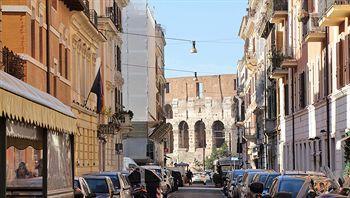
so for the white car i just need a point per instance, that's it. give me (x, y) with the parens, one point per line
(200, 178)
(165, 184)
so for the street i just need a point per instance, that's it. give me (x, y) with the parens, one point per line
(198, 191)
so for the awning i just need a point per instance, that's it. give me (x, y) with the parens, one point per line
(160, 131)
(21, 101)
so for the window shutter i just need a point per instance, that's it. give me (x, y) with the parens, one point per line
(60, 59)
(67, 62)
(346, 59)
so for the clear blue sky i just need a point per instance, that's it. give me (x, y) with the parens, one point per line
(201, 20)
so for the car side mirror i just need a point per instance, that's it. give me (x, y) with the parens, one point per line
(284, 195)
(256, 187)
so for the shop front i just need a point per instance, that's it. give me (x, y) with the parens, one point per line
(36, 142)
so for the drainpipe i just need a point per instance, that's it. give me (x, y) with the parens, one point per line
(293, 121)
(48, 84)
(327, 101)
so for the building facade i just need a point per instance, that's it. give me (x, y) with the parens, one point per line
(306, 63)
(202, 114)
(142, 70)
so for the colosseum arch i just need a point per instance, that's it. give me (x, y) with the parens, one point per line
(168, 111)
(218, 134)
(183, 135)
(200, 136)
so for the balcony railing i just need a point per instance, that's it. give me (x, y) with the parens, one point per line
(93, 17)
(110, 13)
(87, 8)
(325, 5)
(278, 10)
(279, 5)
(311, 26)
(12, 63)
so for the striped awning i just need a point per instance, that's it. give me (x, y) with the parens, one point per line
(160, 131)
(22, 102)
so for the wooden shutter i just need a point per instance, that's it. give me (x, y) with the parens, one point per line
(33, 38)
(66, 62)
(60, 59)
(346, 60)
(344, 51)
(302, 90)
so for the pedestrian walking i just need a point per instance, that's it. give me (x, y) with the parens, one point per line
(189, 176)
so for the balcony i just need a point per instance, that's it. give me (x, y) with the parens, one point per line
(12, 63)
(312, 32)
(276, 71)
(279, 11)
(333, 12)
(90, 13)
(77, 5)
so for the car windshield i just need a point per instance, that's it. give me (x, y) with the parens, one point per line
(269, 181)
(291, 185)
(97, 185)
(115, 180)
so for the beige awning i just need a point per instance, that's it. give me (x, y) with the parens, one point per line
(160, 131)
(22, 102)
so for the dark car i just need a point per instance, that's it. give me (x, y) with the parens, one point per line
(119, 182)
(81, 188)
(177, 178)
(232, 181)
(242, 187)
(266, 178)
(151, 180)
(102, 186)
(138, 191)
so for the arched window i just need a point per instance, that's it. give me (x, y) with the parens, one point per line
(183, 135)
(200, 137)
(168, 111)
(218, 134)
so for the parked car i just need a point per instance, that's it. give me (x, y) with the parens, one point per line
(150, 179)
(177, 178)
(199, 178)
(265, 178)
(169, 179)
(138, 190)
(242, 187)
(119, 182)
(299, 186)
(102, 186)
(81, 188)
(234, 178)
(164, 184)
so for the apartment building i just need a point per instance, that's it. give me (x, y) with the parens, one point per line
(307, 62)
(257, 91)
(143, 73)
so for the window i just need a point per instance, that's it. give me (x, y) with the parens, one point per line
(41, 46)
(60, 58)
(286, 99)
(119, 61)
(66, 56)
(33, 38)
(340, 64)
(167, 87)
(234, 84)
(199, 90)
(302, 90)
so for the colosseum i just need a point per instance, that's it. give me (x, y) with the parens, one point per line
(201, 111)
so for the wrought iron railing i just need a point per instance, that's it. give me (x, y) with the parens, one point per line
(87, 8)
(325, 5)
(110, 13)
(93, 17)
(311, 25)
(12, 63)
(280, 5)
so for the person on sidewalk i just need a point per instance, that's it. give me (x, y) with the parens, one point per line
(189, 176)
